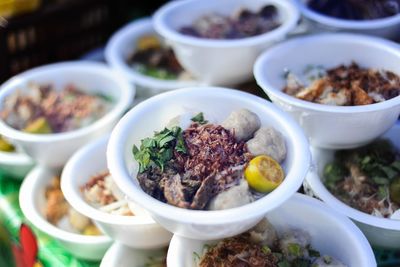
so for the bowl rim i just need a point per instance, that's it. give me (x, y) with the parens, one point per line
(350, 38)
(171, 34)
(35, 179)
(346, 23)
(114, 57)
(116, 162)
(74, 196)
(16, 158)
(13, 84)
(319, 189)
(319, 207)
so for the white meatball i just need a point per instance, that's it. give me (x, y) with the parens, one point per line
(268, 141)
(235, 196)
(243, 122)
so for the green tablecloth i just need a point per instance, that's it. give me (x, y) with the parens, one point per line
(50, 253)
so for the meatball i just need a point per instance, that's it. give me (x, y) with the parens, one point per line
(268, 141)
(235, 196)
(292, 239)
(243, 123)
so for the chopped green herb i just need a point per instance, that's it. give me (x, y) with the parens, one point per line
(313, 253)
(284, 263)
(295, 250)
(158, 150)
(199, 118)
(266, 250)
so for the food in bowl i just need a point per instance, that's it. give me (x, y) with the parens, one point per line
(262, 246)
(152, 58)
(344, 85)
(44, 110)
(356, 9)
(243, 23)
(6, 146)
(367, 178)
(58, 212)
(102, 193)
(211, 166)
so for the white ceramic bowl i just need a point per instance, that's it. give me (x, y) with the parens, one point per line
(331, 233)
(219, 62)
(134, 231)
(331, 126)
(53, 150)
(15, 164)
(32, 200)
(380, 232)
(386, 27)
(122, 44)
(216, 103)
(119, 255)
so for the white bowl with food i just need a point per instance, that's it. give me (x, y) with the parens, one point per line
(142, 57)
(51, 111)
(347, 117)
(241, 134)
(216, 61)
(119, 255)
(374, 207)
(302, 229)
(43, 205)
(359, 17)
(90, 189)
(13, 162)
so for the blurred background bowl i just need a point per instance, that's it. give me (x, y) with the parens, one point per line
(331, 234)
(53, 150)
(216, 103)
(381, 232)
(329, 126)
(32, 201)
(388, 27)
(139, 231)
(123, 44)
(219, 62)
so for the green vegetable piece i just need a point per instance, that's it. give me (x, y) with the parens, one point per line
(284, 263)
(6, 146)
(333, 173)
(313, 253)
(396, 165)
(389, 171)
(266, 249)
(105, 97)
(380, 180)
(394, 190)
(159, 149)
(38, 126)
(199, 118)
(383, 192)
(295, 249)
